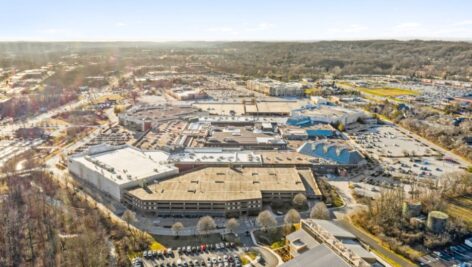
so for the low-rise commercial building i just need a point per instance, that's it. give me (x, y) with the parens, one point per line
(220, 191)
(312, 132)
(336, 152)
(275, 88)
(142, 118)
(245, 138)
(186, 93)
(339, 247)
(112, 169)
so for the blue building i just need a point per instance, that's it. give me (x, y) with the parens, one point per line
(321, 130)
(300, 121)
(339, 153)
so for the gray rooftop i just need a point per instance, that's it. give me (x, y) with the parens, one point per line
(333, 228)
(319, 256)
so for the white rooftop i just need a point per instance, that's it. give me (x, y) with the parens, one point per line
(216, 155)
(124, 164)
(240, 119)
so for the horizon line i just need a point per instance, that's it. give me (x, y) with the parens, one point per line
(237, 40)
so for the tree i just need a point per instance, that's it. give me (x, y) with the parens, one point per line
(266, 220)
(177, 227)
(319, 211)
(292, 217)
(299, 199)
(205, 225)
(129, 217)
(232, 225)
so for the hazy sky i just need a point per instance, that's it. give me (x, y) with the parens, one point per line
(171, 20)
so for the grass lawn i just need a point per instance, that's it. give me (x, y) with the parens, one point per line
(274, 236)
(387, 91)
(386, 259)
(244, 257)
(345, 85)
(461, 208)
(156, 246)
(172, 241)
(277, 244)
(112, 97)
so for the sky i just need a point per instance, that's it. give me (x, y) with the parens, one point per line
(234, 20)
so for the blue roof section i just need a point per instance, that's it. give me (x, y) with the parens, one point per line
(319, 132)
(331, 151)
(299, 121)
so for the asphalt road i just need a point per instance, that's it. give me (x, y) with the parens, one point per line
(373, 243)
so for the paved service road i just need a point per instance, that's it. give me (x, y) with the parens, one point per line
(373, 243)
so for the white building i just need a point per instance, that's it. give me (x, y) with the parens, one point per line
(112, 169)
(331, 114)
(275, 88)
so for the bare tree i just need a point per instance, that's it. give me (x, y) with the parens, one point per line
(205, 225)
(292, 217)
(129, 217)
(319, 211)
(177, 227)
(232, 225)
(266, 220)
(299, 199)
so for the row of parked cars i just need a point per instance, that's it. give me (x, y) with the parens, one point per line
(216, 261)
(188, 250)
(162, 254)
(457, 253)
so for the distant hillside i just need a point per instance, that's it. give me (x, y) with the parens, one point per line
(289, 60)
(283, 60)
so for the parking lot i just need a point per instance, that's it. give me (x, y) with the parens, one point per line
(390, 141)
(456, 255)
(402, 153)
(224, 254)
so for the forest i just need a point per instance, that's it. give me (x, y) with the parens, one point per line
(280, 60)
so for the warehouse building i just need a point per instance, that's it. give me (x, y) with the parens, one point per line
(219, 191)
(112, 169)
(275, 88)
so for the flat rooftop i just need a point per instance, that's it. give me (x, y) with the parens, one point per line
(333, 228)
(319, 256)
(222, 184)
(242, 136)
(216, 155)
(241, 119)
(332, 111)
(276, 107)
(124, 164)
(159, 112)
(285, 157)
(222, 108)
